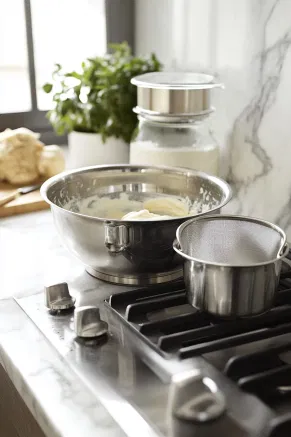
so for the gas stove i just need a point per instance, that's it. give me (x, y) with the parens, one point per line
(166, 369)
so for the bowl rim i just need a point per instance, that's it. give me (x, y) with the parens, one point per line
(180, 170)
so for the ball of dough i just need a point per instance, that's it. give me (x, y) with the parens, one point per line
(51, 161)
(19, 155)
(20, 135)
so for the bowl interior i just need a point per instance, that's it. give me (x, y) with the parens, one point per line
(205, 193)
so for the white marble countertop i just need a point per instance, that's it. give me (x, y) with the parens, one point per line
(32, 254)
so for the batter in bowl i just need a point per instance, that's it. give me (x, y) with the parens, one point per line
(123, 208)
(160, 208)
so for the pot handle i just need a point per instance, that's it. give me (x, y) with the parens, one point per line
(284, 249)
(177, 247)
(116, 237)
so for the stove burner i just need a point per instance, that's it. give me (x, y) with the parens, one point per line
(162, 318)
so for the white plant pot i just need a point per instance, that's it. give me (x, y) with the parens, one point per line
(87, 149)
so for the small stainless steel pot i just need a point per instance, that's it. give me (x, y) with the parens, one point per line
(128, 252)
(224, 289)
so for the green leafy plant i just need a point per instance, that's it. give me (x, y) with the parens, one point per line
(99, 98)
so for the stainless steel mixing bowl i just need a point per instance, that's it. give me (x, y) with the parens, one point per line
(128, 252)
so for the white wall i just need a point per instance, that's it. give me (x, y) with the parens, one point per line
(153, 27)
(247, 44)
(202, 35)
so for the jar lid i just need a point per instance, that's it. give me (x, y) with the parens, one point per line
(175, 94)
(175, 81)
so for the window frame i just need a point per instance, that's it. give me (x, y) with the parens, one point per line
(119, 15)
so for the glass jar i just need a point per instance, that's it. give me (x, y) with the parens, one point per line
(188, 144)
(173, 109)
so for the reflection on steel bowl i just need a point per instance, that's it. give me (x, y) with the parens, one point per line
(137, 252)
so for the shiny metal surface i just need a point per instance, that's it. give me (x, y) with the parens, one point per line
(57, 297)
(119, 373)
(116, 237)
(284, 389)
(128, 252)
(196, 397)
(285, 357)
(174, 94)
(232, 290)
(87, 322)
(150, 279)
(177, 120)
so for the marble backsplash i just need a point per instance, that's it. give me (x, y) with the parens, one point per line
(248, 45)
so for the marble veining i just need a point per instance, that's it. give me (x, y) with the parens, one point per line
(250, 160)
(247, 44)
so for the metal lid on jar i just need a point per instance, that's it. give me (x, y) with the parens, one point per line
(175, 96)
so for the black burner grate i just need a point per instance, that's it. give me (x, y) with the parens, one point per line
(162, 318)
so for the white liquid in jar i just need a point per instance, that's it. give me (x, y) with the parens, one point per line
(204, 158)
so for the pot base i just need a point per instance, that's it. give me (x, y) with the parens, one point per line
(142, 280)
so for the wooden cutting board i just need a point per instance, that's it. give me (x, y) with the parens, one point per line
(22, 204)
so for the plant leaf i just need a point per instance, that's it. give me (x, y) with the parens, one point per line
(47, 87)
(103, 98)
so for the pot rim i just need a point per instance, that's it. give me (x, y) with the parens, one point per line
(183, 171)
(284, 249)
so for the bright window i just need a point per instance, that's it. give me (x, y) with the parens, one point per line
(14, 77)
(65, 32)
(35, 35)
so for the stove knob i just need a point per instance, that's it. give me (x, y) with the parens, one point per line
(195, 397)
(58, 298)
(87, 322)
